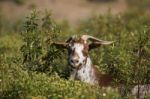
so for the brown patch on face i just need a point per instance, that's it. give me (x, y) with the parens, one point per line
(79, 66)
(80, 41)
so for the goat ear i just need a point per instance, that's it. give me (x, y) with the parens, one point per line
(63, 44)
(99, 43)
(71, 39)
(60, 44)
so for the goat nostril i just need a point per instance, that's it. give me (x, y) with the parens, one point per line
(74, 61)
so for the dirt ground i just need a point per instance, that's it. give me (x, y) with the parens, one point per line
(70, 10)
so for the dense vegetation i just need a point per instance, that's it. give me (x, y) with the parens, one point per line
(31, 67)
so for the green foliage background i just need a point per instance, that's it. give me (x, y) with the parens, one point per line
(31, 67)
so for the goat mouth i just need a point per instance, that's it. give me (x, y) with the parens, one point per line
(76, 66)
(72, 66)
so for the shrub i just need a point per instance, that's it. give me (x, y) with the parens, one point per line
(32, 49)
(19, 83)
(38, 52)
(128, 58)
(32, 67)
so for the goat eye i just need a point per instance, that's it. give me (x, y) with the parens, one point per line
(68, 46)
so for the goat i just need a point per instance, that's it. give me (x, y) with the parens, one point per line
(80, 63)
(140, 91)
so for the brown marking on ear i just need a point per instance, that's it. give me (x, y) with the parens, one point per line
(103, 79)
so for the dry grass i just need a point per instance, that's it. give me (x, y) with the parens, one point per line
(71, 10)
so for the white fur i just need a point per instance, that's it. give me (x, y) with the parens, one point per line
(78, 50)
(80, 63)
(85, 74)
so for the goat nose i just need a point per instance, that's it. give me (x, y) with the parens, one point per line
(74, 61)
